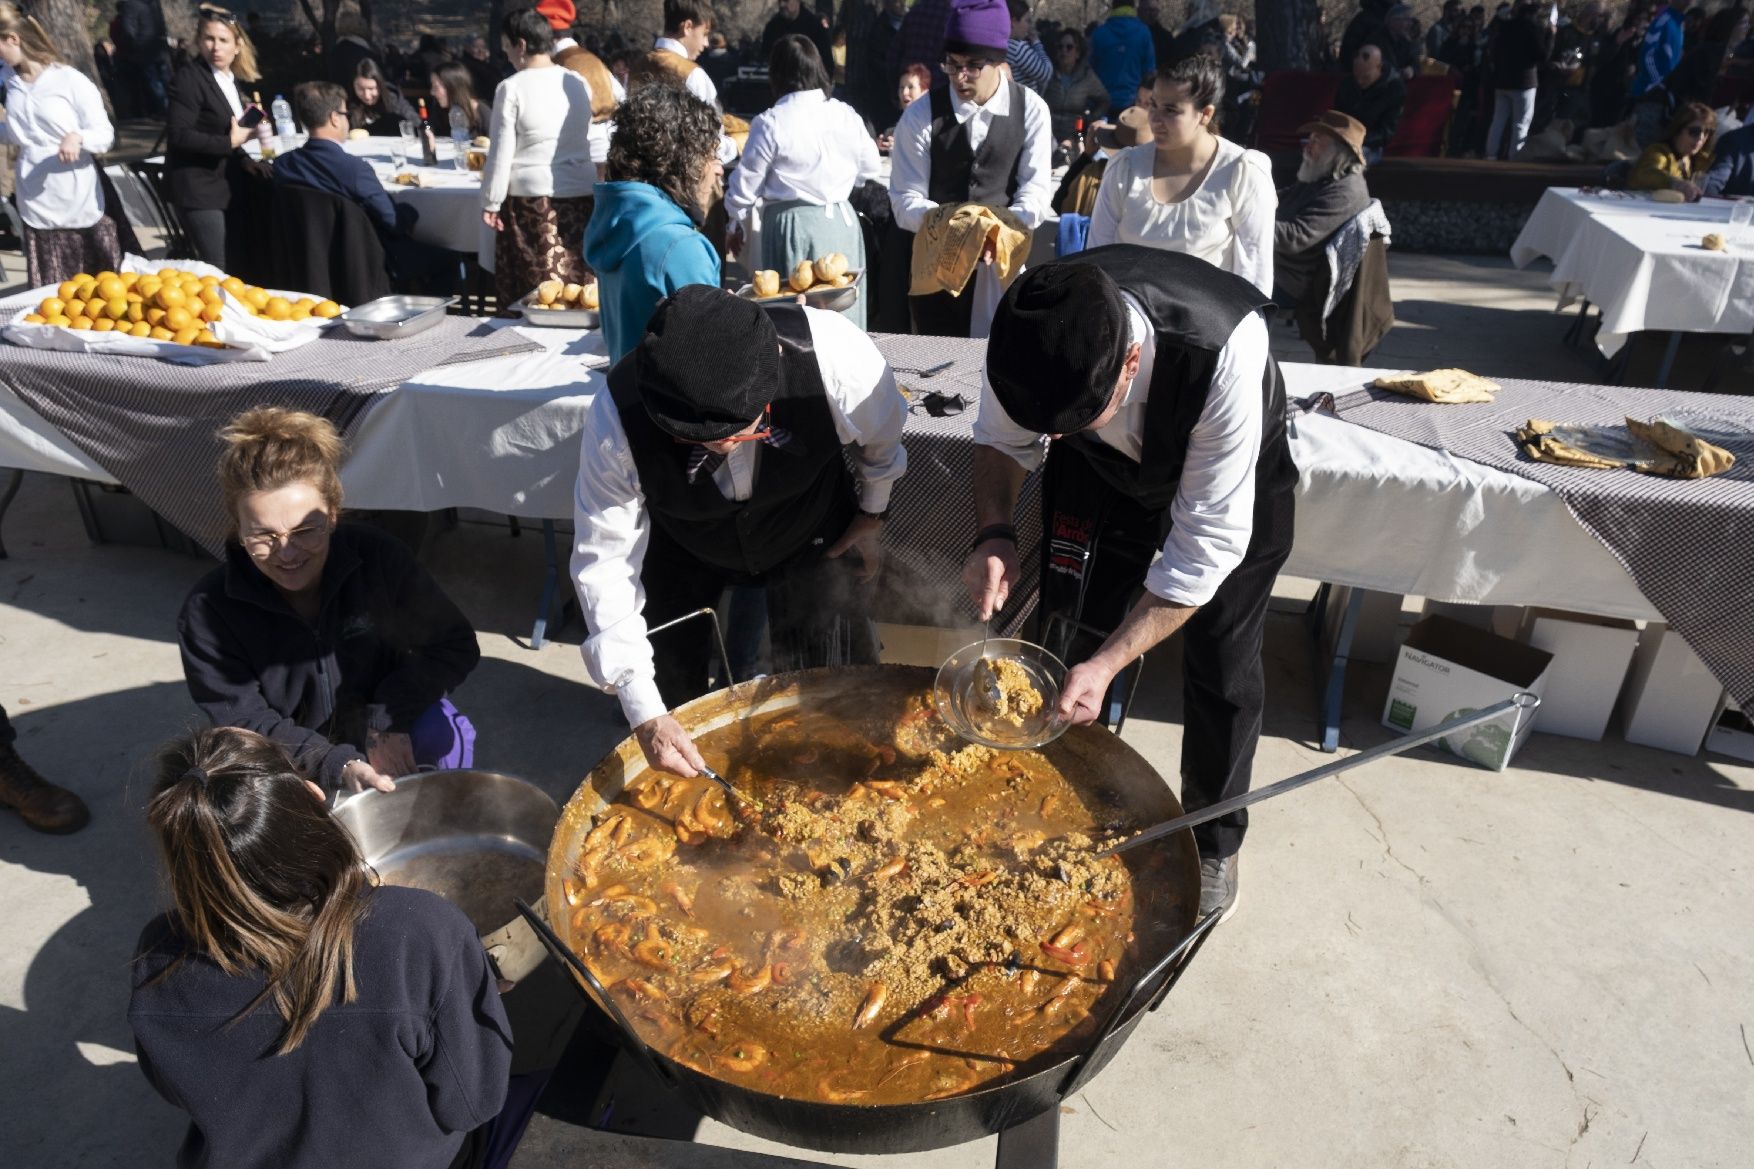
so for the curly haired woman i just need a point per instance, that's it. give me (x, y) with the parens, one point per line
(643, 240)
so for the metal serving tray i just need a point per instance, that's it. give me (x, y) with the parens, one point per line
(558, 318)
(390, 317)
(835, 300)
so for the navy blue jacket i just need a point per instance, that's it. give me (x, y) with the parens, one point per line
(388, 643)
(324, 165)
(1732, 171)
(392, 1080)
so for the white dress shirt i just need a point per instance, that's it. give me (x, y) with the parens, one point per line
(612, 527)
(1213, 509)
(806, 147)
(53, 194)
(228, 85)
(698, 83)
(910, 163)
(1227, 220)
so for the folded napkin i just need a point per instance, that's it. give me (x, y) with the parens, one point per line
(1653, 448)
(948, 247)
(1441, 385)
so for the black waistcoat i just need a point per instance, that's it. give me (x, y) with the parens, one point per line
(797, 486)
(963, 175)
(1193, 308)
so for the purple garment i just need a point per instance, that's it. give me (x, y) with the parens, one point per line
(979, 24)
(443, 738)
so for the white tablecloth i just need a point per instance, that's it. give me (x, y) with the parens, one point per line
(1372, 511)
(449, 200)
(1641, 262)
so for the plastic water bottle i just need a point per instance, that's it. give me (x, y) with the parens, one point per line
(460, 138)
(284, 127)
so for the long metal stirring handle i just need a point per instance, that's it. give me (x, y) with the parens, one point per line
(1522, 701)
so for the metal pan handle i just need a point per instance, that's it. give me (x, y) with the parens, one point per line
(718, 636)
(598, 993)
(1170, 968)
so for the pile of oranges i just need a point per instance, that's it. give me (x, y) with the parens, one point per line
(168, 305)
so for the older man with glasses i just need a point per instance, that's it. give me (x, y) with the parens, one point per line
(979, 138)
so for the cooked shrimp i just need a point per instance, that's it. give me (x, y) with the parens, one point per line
(888, 869)
(713, 972)
(654, 951)
(874, 999)
(603, 832)
(741, 983)
(680, 896)
(742, 1057)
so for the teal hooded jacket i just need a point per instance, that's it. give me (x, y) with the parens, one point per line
(643, 247)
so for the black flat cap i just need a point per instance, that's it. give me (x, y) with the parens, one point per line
(709, 363)
(1056, 347)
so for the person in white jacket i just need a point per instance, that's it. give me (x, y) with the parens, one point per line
(55, 116)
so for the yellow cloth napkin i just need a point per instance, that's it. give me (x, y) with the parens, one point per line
(1441, 385)
(1653, 448)
(948, 247)
(736, 129)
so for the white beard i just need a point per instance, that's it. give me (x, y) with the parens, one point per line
(1311, 170)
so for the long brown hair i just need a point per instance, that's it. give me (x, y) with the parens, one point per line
(33, 38)
(262, 878)
(460, 92)
(268, 447)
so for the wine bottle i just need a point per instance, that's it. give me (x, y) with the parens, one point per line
(428, 147)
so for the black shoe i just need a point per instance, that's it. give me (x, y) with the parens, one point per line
(1218, 886)
(42, 805)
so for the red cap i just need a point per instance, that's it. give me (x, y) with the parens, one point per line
(559, 13)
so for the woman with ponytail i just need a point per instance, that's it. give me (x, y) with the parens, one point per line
(327, 637)
(300, 1015)
(55, 116)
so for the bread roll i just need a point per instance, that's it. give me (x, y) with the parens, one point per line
(1713, 242)
(356, 135)
(572, 293)
(766, 282)
(549, 291)
(1667, 196)
(829, 266)
(592, 298)
(803, 276)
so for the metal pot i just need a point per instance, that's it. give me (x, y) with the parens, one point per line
(1166, 889)
(475, 838)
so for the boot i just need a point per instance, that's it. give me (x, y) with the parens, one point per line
(44, 806)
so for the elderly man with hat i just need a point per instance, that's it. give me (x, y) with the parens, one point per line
(978, 137)
(1149, 372)
(1329, 192)
(715, 458)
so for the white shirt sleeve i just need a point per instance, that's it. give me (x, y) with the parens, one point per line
(868, 410)
(96, 133)
(502, 145)
(1214, 505)
(1111, 202)
(746, 181)
(1255, 206)
(995, 428)
(1034, 199)
(701, 86)
(864, 150)
(611, 530)
(910, 166)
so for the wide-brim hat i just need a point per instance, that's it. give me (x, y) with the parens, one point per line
(1347, 129)
(708, 364)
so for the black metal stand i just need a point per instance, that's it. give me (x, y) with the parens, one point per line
(13, 483)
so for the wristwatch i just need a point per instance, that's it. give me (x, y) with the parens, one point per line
(875, 515)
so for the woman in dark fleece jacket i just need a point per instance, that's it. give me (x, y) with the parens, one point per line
(301, 1017)
(328, 638)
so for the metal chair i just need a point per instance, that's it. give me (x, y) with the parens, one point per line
(150, 175)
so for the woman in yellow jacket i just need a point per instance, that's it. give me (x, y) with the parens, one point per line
(1680, 160)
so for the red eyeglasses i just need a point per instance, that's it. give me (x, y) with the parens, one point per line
(763, 428)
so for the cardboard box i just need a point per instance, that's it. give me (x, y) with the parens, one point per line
(1732, 734)
(1446, 669)
(1671, 698)
(1590, 659)
(1503, 620)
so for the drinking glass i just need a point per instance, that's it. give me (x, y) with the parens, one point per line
(1741, 215)
(398, 154)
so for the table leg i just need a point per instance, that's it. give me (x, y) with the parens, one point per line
(1674, 347)
(1332, 690)
(1575, 333)
(13, 483)
(550, 578)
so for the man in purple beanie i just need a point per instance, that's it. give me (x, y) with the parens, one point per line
(978, 138)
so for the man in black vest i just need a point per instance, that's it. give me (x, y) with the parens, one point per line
(1150, 371)
(978, 138)
(714, 459)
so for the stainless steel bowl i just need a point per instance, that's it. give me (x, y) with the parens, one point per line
(477, 839)
(390, 317)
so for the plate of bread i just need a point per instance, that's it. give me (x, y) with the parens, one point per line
(559, 304)
(826, 282)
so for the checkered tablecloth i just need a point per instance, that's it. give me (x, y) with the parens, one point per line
(1688, 543)
(153, 425)
(931, 519)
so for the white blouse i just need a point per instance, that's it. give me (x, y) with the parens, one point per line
(53, 194)
(1227, 220)
(806, 147)
(541, 137)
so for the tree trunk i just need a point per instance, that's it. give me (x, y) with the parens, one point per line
(64, 21)
(1285, 33)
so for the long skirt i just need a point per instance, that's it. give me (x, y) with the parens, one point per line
(543, 238)
(793, 230)
(52, 255)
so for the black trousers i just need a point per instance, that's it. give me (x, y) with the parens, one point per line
(943, 315)
(816, 609)
(7, 734)
(206, 231)
(1101, 543)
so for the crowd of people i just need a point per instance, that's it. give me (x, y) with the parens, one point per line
(735, 445)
